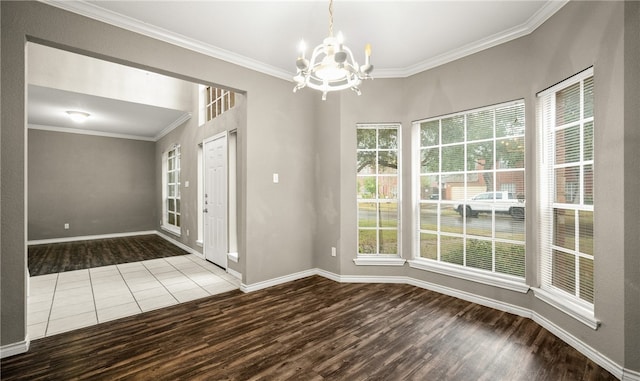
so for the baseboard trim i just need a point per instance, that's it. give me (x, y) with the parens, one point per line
(88, 237)
(181, 245)
(617, 370)
(14, 348)
(234, 273)
(327, 274)
(630, 375)
(473, 298)
(277, 281)
(579, 345)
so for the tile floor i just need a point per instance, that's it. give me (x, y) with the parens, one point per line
(74, 299)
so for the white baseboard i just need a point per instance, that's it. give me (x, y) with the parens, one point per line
(630, 375)
(578, 345)
(473, 298)
(327, 274)
(14, 348)
(88, 237)
(181, 245)
(617, 370)
(117, 235)
(277, 281)
(234, 273)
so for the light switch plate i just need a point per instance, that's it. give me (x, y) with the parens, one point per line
(276, 178)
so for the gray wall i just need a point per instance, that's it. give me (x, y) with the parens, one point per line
(289, 227)
(188, 136)
(632, 184)
(326, 169)
(99, 185)
(59, 69)
(277, 137)
(580, 35)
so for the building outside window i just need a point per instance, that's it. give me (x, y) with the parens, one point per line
(171, 190)
(470, 187)
(566, 188)
(378, 189)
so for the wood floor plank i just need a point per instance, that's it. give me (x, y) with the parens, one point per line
(310, 329)
(79, 255)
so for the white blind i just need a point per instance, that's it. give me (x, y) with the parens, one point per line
(470, 185)
(566, 189)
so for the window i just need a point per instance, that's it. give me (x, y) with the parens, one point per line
(218, 101)
(471, 193)
(171, 190)
(566, 189)
(378, 190)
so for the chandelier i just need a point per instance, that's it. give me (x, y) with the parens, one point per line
(332, 66)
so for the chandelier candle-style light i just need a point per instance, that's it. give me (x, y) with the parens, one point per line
(332, 66)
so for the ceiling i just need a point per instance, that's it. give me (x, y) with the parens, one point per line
(407, 36)
(48, 110)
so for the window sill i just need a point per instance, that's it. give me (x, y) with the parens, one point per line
(172, 229)
(378, 260)
(569, 307)
(495, 280)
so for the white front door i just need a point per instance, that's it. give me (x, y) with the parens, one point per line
(215, 200)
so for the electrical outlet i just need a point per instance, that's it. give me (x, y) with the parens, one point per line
(66, 226)
(187, 232)
(333, 251)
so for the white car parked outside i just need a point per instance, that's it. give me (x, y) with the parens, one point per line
(501, 202)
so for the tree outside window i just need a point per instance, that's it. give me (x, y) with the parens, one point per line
(378, 189)
(471, 189)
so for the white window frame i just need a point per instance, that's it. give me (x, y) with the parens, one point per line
(174, 228)
(572, 305)
(491, 278)
(378, 258)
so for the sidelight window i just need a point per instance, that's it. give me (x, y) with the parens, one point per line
(171, 190)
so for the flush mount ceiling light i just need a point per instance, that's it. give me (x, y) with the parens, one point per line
(78, 116)
(332, 66)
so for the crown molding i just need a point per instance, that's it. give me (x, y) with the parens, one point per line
(524, 29)
(81, 131)
(183, 118)
(95, 12)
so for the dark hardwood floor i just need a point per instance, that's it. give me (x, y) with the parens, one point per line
(310, 329)
(78, 255)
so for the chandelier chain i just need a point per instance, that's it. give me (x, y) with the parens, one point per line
(330, 18)
(331, 66)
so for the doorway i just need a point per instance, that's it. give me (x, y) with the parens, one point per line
(216, 210)
(132, 162)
